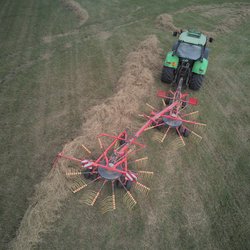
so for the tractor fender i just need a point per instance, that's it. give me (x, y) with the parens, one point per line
(200, 67)
(171, 60)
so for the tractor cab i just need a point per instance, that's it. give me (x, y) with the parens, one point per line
(188, 59)
(191, 45)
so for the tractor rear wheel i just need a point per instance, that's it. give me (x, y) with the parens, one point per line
(196, 81)
(167, 75)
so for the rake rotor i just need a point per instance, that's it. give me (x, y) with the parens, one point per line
(177, 118)
(111, 169)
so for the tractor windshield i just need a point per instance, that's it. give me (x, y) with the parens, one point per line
(189, 51)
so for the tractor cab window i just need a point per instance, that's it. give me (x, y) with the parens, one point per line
(189, 51)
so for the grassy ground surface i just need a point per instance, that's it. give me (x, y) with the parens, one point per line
(53, 68)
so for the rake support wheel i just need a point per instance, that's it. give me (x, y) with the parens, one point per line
(128, 185)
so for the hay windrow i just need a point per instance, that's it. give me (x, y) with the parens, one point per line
(232, 15)
(110, 117)
(74, 6)
(165, 21)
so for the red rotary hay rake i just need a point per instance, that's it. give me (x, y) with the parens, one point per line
(177, 118)
(116, 166)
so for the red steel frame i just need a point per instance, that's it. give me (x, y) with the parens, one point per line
(119, 155)
(122, 152)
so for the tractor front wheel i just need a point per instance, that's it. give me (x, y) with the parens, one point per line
(196, 81)
(167, 75)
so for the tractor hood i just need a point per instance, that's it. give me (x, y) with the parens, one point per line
(193, 37)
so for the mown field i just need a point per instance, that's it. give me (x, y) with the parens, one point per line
(60, 63)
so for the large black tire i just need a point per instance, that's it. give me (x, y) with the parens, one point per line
(167, 75)
(196, 81)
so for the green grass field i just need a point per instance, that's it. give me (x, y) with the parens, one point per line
(58, 62)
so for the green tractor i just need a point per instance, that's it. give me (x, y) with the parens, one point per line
(188, 59)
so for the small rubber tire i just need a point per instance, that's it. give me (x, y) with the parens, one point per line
(93, 176)
(118, 183)
(121, 142)
(184, 104)
(87, 174)
(186, 133)
(159, 127)
(168, 101)
(128, 185)
(183, 131)
(167, 75)
(196, 81)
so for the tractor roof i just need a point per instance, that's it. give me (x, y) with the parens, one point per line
(193, 37)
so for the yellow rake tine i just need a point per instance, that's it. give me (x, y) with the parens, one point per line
(113, 196)
(78, 185)
(142, 159)
(98, 193)
(150, 106)
(195, 135)
(129, 200)
(165, 135)
(95, 198)
(89, 197)
(86, 149)
(145, 174)
(199, 124)
(182, 140)
(73, 172)
(177, 143)
(116, 145)
(164, 104)
(100, 143)
(107, 205)
(148, 128)
(190, 114)
(142, 188)
(141, 162)
(200, 128)
(192, 132)
(157, 136)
